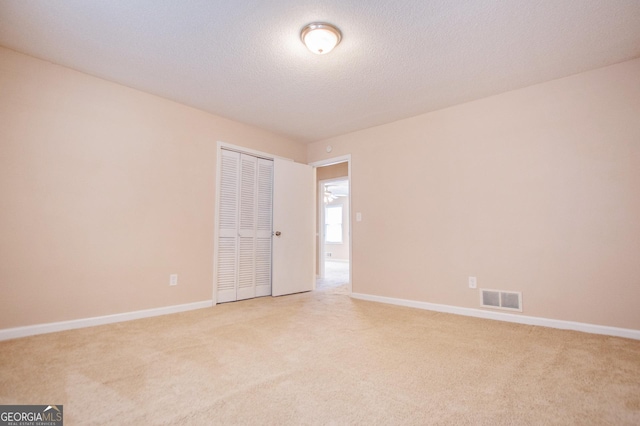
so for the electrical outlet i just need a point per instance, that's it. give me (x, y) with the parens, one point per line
(173, 279)
(473, 283)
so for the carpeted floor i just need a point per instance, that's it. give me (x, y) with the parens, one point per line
(322, 358)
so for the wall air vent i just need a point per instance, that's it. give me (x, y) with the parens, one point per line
(498, 299)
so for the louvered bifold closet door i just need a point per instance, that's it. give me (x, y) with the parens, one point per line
(247, 228)
(264, 227)
(228, 226)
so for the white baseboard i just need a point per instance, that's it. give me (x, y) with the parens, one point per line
(502, 316)
(31, 330)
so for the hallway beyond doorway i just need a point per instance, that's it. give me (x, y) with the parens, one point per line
(336, 277)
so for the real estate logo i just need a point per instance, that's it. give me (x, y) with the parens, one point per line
(31, 415)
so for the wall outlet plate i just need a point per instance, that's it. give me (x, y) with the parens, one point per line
(173, 279)
(473, 282)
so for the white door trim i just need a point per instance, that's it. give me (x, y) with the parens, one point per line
(329, 162)
(253, 152)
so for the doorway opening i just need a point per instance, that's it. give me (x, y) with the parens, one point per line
(333, 263)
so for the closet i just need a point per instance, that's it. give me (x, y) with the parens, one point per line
(244, 227)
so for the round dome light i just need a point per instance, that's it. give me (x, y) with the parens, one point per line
(320, 37)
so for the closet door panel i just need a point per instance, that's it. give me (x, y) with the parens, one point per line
(247, 227)
(264, 227)
(227, 256)
(246, 273)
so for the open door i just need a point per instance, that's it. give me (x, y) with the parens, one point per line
(294, 228)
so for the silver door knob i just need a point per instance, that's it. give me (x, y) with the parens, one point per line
(277, 233)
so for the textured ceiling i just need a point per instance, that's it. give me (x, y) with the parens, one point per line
(244, 59)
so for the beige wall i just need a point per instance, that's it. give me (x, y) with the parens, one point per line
(104, 192)
(536, 190)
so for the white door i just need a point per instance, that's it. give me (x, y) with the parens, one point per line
(294, 228)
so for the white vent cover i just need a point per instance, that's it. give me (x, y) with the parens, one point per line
(509, 300)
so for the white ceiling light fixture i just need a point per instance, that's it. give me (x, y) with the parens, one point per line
(320, 37)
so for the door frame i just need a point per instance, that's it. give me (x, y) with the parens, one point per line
(216, 223)
(329, 162)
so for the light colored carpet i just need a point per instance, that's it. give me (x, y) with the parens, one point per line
(322, 358)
